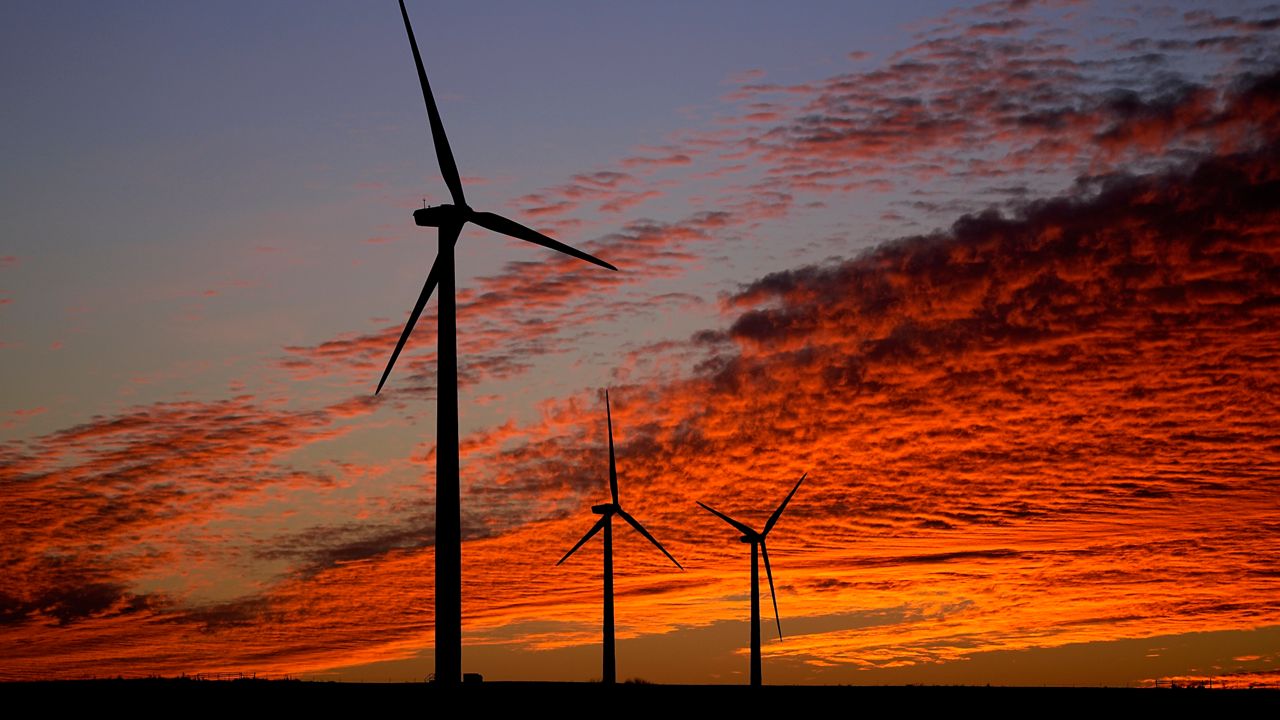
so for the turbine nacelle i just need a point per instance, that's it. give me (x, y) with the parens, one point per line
(441, 215)
(605, 509)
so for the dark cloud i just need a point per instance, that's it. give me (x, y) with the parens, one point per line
(70, 603)
(993, 94)
(92, 507)
(1208, 20)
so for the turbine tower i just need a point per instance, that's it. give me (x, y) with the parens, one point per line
(606, 512)
(449, 219)
(758, 548)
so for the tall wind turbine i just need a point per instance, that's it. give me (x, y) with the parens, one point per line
(757, 549)
(606, 513)
(450, 219)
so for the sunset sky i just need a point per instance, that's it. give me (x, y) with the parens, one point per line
(1002, 278)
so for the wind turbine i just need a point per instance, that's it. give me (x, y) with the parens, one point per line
(758, 548)
(606, 513)
(450, 219)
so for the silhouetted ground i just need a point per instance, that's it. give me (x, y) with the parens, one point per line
(167, 696)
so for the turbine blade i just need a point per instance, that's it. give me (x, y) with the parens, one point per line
(499, 224)
(743, 528)
(773, 519)
(773, 594)
(590, 533)
(448, 168)
(640, 529)
(428, 288)
(613, 467)
(449, 234)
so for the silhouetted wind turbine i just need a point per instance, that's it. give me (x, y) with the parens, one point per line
(450, 219)
(758, 548)
(606, 513)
